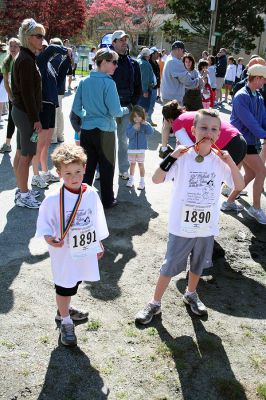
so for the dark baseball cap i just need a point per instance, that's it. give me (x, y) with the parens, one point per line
(179, 45)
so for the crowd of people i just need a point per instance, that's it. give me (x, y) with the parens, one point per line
(112, 114)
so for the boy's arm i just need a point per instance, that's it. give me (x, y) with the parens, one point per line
(236, 175)
(160, 173)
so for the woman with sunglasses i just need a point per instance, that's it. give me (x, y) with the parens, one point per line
(27, 102)
(97, 103)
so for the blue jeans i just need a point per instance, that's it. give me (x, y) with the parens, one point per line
(152, 103)
(145, 101)
(122, 124)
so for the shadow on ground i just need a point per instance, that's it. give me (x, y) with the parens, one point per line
(70, 376)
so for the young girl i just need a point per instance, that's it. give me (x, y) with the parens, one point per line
(207, 94)
(230, 76)
(212, 76)
(136, 133)
(192, 97)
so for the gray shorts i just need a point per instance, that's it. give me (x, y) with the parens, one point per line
(178, 250)
(219, 83)
(24, 132)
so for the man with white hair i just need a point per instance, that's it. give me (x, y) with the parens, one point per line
(128, 83)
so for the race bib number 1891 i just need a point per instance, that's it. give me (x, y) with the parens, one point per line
(83, 242)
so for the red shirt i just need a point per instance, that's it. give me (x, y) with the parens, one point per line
(185, 120)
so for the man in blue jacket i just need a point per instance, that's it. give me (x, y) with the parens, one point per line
(128, 83)
(221, 65)
(148, 80)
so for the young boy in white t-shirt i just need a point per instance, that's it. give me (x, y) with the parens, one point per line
(197, 176)
(73, 224)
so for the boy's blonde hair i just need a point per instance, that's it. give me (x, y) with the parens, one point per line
(67, 154)
(139, 111)
(206, 112)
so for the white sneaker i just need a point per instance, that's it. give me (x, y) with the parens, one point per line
(124, 175)
(29, 201)
(49, 177)
(141, 186)
(130, 183)
(226, 190)
(228, 206)
(38, 181)
(34, 193)
(258, 214)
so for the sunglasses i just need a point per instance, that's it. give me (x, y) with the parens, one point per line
(38, 36)
(115, 62)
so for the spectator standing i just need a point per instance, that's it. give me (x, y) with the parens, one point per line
(239, 69)
(97, 103)
(221, 64)
(175, 76)
(27, 102)
(14, 46)
(61, 64)
(75, 56)
(128, 82)
(192, 98)
(91, 58)
(212, 76)
(70, 70)
(249, 117)
(3, 92)
(154, 57)
(230, 76)
(148, 79)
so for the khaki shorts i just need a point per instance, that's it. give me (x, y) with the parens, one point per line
(219, 83)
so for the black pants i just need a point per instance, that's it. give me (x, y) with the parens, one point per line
(100, 148)
(10, 123)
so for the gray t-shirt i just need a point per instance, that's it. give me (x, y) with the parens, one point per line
(175, 79)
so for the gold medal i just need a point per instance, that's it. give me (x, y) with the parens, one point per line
(199, 158)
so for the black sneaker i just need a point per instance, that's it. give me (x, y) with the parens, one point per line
(68, 337)
(145, 316)
(197, 307)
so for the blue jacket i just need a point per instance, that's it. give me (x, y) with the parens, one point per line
(97, 102)
(48, 73)
(128, 80)
(147, 75)
(61, 66)
(221, 65)
(138, 139)
(249, 115)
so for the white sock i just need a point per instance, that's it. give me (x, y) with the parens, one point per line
(24, 195)
(142, 179)
(156, 303)
(131, 177)
(66, 320)
(189, 293)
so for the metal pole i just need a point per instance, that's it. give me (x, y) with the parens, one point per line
(214, 9)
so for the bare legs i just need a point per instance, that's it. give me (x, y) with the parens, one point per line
(63, 303)
(41, 156)
(21, 169)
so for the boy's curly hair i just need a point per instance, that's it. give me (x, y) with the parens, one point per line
(68, 153)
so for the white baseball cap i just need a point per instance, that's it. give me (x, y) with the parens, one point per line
(257, 70)
(118, 35)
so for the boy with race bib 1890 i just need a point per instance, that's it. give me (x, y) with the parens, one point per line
(197, 175)
(73, 224)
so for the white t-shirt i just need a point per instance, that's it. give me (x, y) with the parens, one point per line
(195, 200)
(89, 221)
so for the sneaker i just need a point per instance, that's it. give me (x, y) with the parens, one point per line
(49, 177)
(226, 190)
(6, 148)
(124, 175)
(38, 181)
(75, 314)
(29, 202)
(130, 183)
(97, 175)
(68, 337)
(258, 214)
(226, 206)
(141, 186)
(145, 316)
(34, 193)
(197, 307)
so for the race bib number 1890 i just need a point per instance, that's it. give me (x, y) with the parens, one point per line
(195, 220)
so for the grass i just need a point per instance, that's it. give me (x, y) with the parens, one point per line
(131, 332)
(93, 325)
(24, 355)
(121, 395)
(44, 339)
(257, 362)
(261, 390)
(263, 338)
(151, 331)
(7, 344)
(229, 389)
(159, 377)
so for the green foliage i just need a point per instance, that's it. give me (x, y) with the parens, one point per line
(261, 390)
(239, 22)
